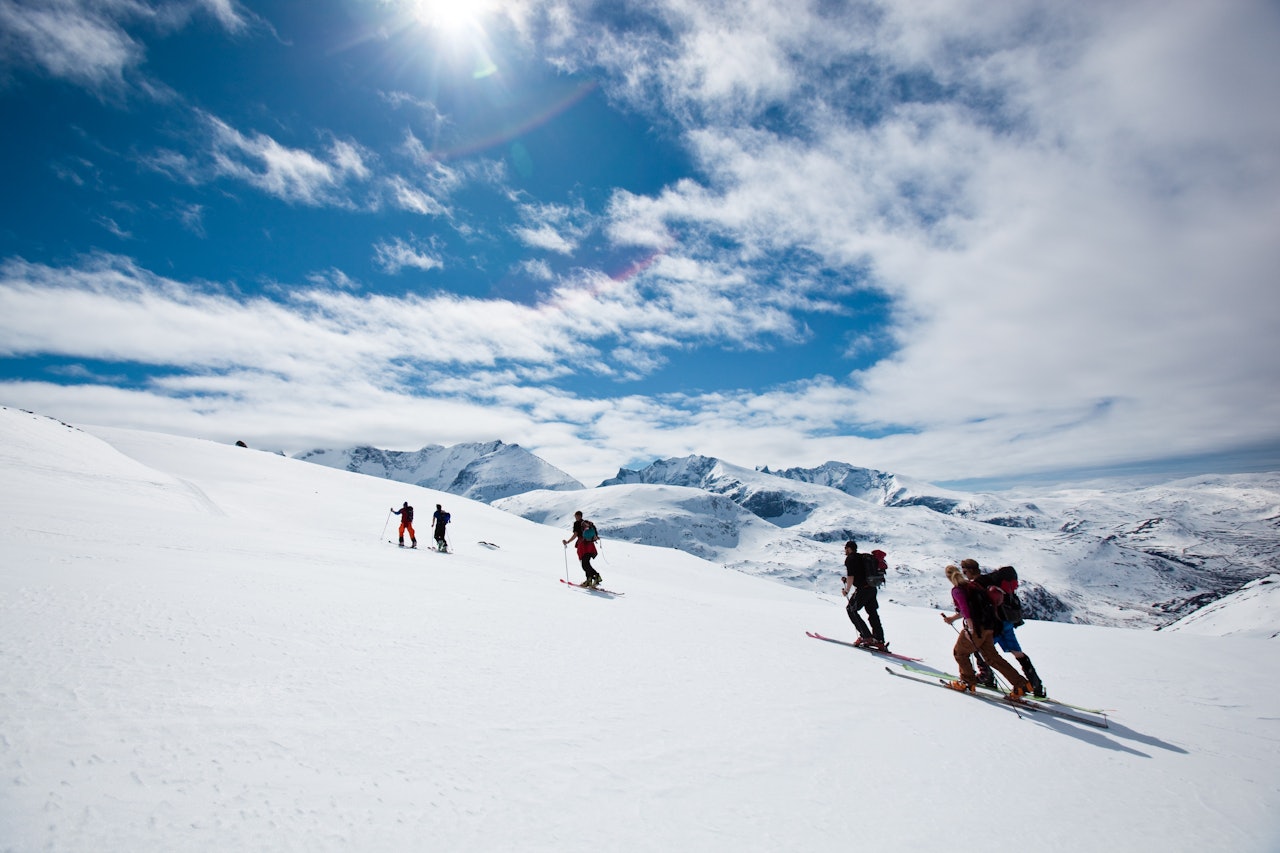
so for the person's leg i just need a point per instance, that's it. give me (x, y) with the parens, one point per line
(852, 609)
(965, 647)
(987, 646)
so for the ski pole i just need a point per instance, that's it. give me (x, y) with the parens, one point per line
(384, 525)
(566, 563)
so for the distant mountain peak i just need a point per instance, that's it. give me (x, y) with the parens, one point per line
(483, 471)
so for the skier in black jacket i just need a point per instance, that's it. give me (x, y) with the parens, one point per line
(863, 598)
(441, 519)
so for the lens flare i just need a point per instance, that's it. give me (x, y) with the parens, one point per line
(452, 17)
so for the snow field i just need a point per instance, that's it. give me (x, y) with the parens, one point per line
(206, 647)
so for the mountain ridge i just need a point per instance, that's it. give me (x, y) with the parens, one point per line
(483, 471)
(1141, 556)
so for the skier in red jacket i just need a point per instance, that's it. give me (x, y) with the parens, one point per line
(406, 523)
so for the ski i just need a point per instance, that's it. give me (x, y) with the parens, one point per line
(1041, 706)
(884, 652)
(1002, 692)
(489, 545)
(406, 547)
(591, 588)
(940, 683)
(1036, 707)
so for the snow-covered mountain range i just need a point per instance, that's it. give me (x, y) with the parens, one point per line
(1142, 556)
(482, 472)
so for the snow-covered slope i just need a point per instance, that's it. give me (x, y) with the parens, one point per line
(1250, 612)
(483, 472)
(204, 647)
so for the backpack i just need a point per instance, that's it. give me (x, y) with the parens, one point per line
(589, 533)
(1006, 577)
(1010, 608)
(876, 567)
(982, 609)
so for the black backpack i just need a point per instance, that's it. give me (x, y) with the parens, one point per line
(1011, 610)
(876, 567)
(981, 608)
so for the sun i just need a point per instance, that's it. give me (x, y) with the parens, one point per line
(459, 28)
(452, 17)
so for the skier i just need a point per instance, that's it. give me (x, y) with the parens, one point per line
(980, 626)
(441, 518)
(406, 523)
(864, 598)
(1005, 639)
(585, 532)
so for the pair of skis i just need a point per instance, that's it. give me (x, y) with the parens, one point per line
(599, 590)
(1095, 717)
(872, 649)
(1088, 716)
(438, 550)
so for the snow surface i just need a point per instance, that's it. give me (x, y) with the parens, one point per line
(206, 647)
(1250, 612)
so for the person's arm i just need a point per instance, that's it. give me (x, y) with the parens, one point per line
(962, 607)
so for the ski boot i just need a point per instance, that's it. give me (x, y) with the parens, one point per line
(963, 686)
(1037, 686)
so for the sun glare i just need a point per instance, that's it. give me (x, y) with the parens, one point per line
(451, 16)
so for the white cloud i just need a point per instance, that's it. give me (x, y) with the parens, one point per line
(411, 198)
(290, 174)
(545, 237)
(68, 40)
(88, 41)
(393, 257)
(553, 227)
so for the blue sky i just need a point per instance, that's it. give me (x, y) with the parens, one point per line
(951, 241)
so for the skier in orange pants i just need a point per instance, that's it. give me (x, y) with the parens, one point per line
(406, 523)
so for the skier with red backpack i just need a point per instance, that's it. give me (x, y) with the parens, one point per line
(981, 623)
(861, 574)
(1000, 586)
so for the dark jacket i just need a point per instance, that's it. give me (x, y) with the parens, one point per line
(855, 566)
